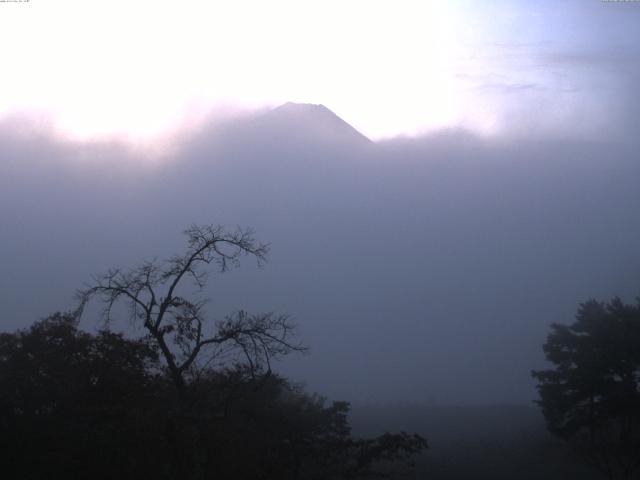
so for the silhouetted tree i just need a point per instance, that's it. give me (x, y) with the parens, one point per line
(154, 293)
(591, 395)
(161, 296)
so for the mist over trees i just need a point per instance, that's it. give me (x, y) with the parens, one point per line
(470, 179)
(403, 246)
(412, 268)
(188, 399)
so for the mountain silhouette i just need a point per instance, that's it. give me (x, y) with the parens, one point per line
(299, 123)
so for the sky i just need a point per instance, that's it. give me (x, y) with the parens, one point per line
(499, 189)
(148, 68)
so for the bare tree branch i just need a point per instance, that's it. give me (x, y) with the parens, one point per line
(179, 326)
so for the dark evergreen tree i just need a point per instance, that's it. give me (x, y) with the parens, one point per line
(591, 395)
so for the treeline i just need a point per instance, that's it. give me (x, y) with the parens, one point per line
(78, 405)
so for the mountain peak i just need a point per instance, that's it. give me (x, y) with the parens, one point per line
(317, 118)
(303, 107)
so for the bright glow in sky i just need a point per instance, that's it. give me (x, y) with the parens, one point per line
(144, 67)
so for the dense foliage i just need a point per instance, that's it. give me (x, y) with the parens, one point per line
(79, 405)
(591, 396)
(75, 405)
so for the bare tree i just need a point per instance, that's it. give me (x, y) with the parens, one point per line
(179, 326)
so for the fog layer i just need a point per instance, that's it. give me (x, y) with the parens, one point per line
(418, 270)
